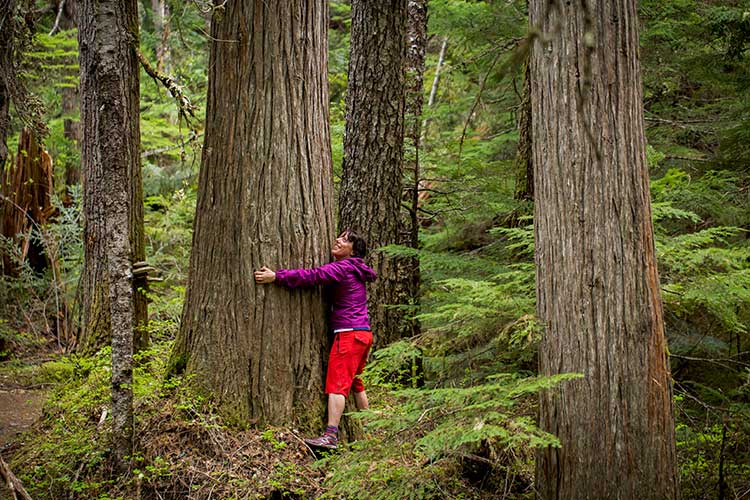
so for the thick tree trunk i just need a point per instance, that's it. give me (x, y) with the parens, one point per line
(597, 284)
(264, 198)
(371, 187)
(113, 207)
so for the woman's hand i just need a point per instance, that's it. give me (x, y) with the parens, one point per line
(264, 275)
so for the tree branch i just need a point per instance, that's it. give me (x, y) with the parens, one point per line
(12, 482)
(60, 9)
(183, 103)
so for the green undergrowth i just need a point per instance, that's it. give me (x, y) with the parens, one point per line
(183, 448)
(451, 442)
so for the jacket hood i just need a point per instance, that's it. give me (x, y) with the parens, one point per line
(361, 269)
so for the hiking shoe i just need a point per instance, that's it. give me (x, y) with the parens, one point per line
(328, 441)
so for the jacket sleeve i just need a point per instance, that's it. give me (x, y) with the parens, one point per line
(323, 275)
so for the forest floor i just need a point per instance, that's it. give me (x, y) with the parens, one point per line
(19, 409)
(21, 398)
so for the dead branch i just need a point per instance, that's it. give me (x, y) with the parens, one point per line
(685, 158)
(12, 482)
(60, 9)
(185, 107)
(153, 152)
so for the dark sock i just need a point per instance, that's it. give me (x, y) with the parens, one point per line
(332, 429)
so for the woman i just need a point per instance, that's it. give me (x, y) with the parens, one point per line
(347, 276)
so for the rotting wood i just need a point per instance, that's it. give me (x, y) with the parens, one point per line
(26, 203)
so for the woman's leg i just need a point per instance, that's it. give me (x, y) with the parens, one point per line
(336, 404)
(361, 399)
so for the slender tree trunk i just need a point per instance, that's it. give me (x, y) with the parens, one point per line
(6, 68)
(423, 187)
(597, 284)
(110, 147)
(408, 268)
(415, 54)
(264, 198)
(160, 10)
(70, 104)
(524, 165)
(371, 186)
(113, 207)
(4, 123)
(435, 82)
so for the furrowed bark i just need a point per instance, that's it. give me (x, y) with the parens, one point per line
(371, 185)
(597, 285)
(265, 198)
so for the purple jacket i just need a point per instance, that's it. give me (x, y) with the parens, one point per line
(348, 293)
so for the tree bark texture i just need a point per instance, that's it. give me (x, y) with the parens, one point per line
(371, 186)
(26, 202)
(597, 284)
(408, 268)
(113, 193)
(265, 197)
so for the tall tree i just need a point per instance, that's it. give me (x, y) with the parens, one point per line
(371, 187)
(416, 38)
(110, 147)
(597, 285)
(66, 20)
(113, 207)
(264, 198)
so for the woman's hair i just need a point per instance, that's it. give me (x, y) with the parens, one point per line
(359, 244)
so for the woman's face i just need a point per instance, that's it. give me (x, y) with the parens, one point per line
(342, 247)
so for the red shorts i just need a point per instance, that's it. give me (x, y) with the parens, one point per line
(347, 360)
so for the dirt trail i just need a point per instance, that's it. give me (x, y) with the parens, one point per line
(19, 408)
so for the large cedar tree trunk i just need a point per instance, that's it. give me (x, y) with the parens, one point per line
(113, 207)
(597, 285)
(264, 198)
(371, 187)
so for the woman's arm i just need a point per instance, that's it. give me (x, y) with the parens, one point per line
(293, 278)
